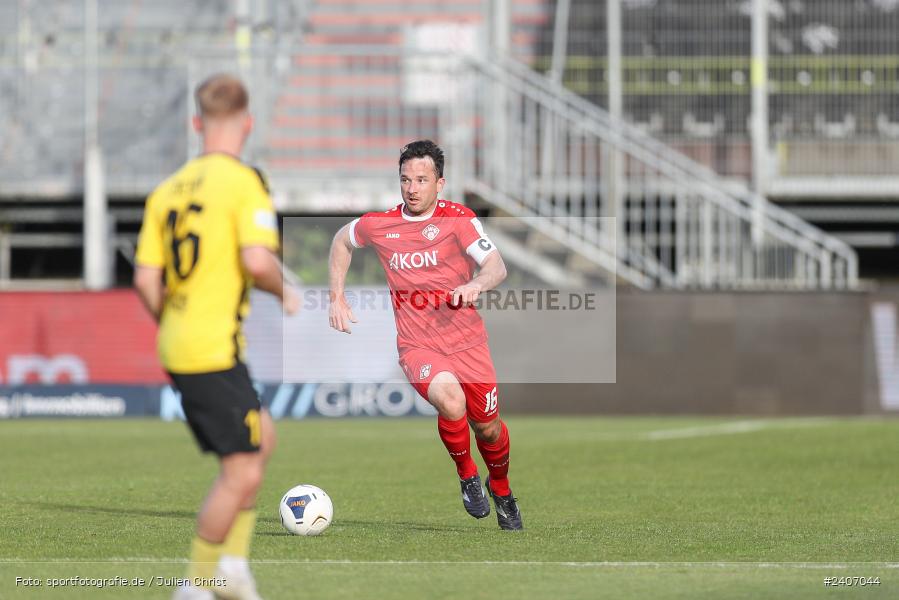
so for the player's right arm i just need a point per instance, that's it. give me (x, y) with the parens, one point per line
(150, 289)
(149, 263)
(340, 315)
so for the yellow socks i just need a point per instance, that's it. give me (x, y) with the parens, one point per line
(204, 556)
(238, 541)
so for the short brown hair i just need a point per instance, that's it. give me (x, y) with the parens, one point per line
(221, 95)
(423, 149)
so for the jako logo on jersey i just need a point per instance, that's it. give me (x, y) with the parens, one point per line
(413, 260)
(430, 231)
(425, 371)
(391, 236)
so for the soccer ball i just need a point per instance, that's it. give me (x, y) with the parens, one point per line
(306, 510)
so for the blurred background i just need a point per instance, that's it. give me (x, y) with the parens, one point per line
(744, 156)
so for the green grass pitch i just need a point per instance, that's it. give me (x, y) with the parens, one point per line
(613, 508)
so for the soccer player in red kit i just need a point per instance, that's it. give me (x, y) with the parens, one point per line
(429, 249)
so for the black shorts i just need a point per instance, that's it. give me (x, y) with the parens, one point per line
(222, 409)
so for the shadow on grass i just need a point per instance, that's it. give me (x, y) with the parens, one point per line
(378, 525)
(109, 510)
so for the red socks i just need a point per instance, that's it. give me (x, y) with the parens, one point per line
(496, 455)
(457, 439)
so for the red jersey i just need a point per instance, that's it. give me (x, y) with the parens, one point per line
(425, 259)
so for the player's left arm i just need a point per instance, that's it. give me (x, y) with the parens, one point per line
(257, 236)
(492, 271)
(490, 275)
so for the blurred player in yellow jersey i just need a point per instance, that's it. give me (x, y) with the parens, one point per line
(209, 234)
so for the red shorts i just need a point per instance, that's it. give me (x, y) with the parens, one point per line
(473, 368)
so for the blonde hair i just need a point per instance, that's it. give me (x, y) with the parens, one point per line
(221, 96)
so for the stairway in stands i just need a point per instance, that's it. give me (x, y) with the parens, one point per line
(340, 110)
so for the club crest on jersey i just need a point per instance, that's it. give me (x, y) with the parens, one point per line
(425, 371)
(430, 231)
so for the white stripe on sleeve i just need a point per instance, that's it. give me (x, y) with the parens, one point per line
(353, 234)
(479, 249)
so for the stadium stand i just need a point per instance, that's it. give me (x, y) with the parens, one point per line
(833, 72)
(342, 109)
(146, 51)
(832, 76)
(142, 83)
(371, 74)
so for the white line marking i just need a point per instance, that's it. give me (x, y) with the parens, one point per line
(525, 563)
(707, 430)
(726, 428)
(735, 427)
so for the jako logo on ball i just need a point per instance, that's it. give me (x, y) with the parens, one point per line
(305, 510)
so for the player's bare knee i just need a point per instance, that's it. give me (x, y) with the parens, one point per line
(456, 398)
(251, 477)
(447, 396)
(269, 439)
(487, 432)
(242, 472)
(267, 448)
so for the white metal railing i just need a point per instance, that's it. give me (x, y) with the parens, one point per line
(533, 148)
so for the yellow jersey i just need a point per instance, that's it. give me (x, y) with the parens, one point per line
(195, 224)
